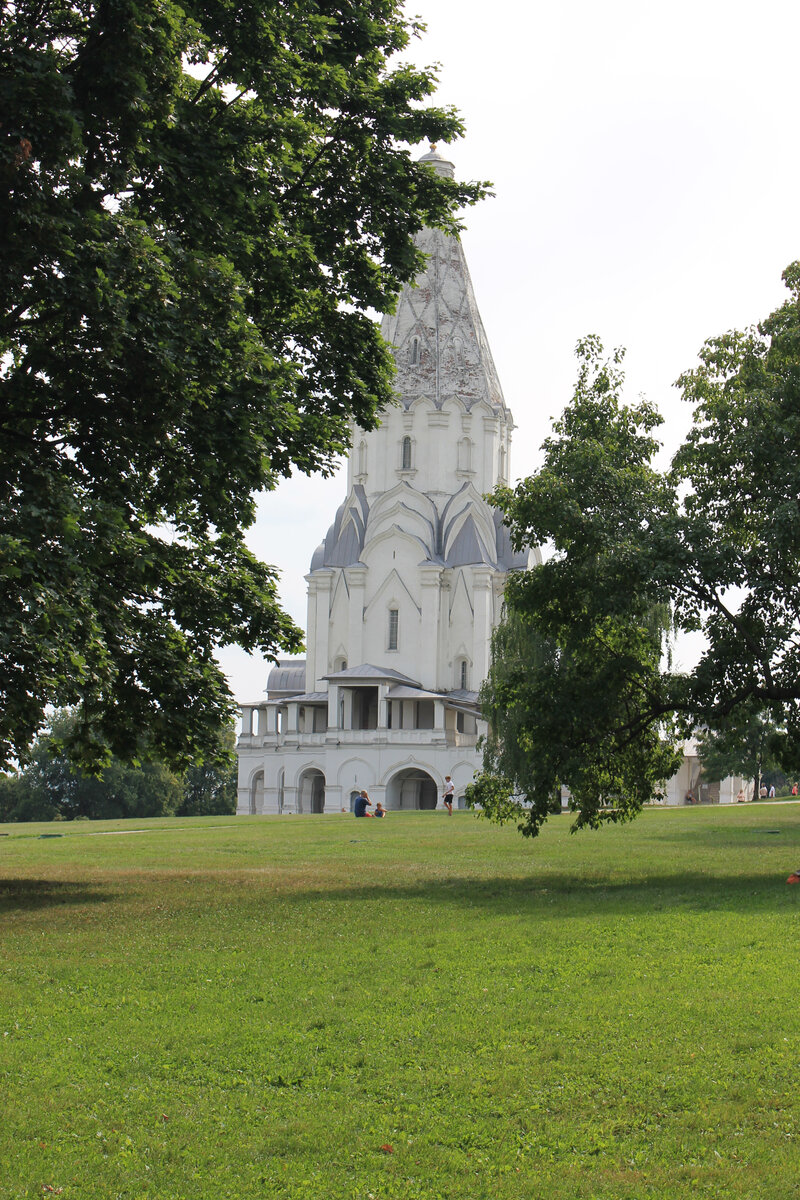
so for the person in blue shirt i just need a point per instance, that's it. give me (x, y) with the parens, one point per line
(360, 806)
(380, 811)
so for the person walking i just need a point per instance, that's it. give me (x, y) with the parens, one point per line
(449, 791)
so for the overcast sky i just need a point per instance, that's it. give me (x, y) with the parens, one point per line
(646, 174)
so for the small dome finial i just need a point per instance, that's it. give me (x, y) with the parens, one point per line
(442, 166)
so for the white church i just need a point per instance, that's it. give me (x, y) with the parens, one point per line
(407, 585)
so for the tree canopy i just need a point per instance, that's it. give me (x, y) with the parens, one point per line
(201, 206)
(641, 555)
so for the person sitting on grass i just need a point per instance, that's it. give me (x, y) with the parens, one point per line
(360, 806)
(380, 811)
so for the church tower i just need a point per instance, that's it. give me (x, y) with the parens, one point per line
(407, 586)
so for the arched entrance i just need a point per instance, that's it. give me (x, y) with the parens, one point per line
(311, 792)
(411, 788)
(257, 793)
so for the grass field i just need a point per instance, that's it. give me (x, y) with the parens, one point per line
(414, 1009)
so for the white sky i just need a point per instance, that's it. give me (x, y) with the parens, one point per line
(646, 169)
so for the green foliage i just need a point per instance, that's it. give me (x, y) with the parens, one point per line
(713, 544)
(201, 207)
(51, 787)
(744, 743)
(740, 531)
(210, 788)
(575, 662)
(218, 1013)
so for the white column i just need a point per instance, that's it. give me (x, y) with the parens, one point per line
(333, 706)
(319, 605)
(439, 719)
(429, 637)
(383, 704)
(334, 798)
(357, 581)
(491, 445)
(311, 633)
(482, 628)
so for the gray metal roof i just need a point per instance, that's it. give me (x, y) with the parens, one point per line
(401, 692)
(369, 673)
(287, 678)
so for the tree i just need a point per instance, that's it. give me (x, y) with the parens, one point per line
(16, 803)
(201, 206)
(575, 662)
(52, 787)
(714, 542)
(742, 744)
(210, 788)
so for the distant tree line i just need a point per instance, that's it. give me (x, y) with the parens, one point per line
(50, 788)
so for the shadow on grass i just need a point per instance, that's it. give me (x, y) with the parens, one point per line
(542, 895)
(558, 895)
(735, 837)
(26, 894)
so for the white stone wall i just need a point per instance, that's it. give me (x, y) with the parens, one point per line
(449, 447)
(348, 768)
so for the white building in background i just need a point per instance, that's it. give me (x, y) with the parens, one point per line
(407, 586)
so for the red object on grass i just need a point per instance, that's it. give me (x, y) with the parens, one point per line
(387, 1149)
(794, 877)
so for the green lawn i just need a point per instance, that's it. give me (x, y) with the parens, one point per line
(421, 1007)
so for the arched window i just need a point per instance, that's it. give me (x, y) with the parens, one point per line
(463, 674)
(362, 458)
(413, 352)
(405, 454)
(501, 465)
(281, 789)
(465, 455)
(393, 623)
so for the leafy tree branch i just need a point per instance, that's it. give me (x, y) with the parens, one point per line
(712, 544)
(186, 318)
